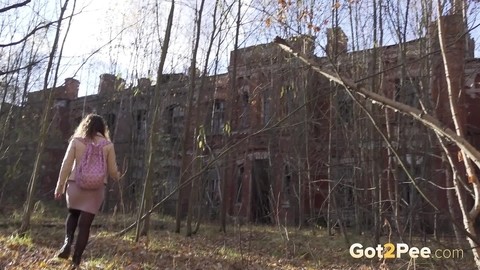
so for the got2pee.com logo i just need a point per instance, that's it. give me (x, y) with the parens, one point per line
(402, 250)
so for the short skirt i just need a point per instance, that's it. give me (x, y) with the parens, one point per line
(83, 199)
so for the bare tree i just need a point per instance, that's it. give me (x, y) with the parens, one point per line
(454, 84)
(146, 200)
(22, 61)
(186, 134)
(44, 124)
(430, 122)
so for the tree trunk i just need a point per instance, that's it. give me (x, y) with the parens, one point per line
(453, 95)
(193, 66)
(147, 188)
(430, 122)
(44, 125)
(228, 126)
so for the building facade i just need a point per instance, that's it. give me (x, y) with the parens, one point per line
(289, 145)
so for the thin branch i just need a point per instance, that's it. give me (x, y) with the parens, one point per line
(426, 119)
(32, 64)
(36, 29)
(15, 6)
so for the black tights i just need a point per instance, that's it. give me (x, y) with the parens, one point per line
(83, 221)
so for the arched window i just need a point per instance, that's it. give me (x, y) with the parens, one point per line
(245, 110)
(218, 118)
(174, 119)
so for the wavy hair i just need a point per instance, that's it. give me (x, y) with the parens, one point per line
(90, 126)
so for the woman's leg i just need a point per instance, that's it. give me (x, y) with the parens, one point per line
(70, 226)
(84, 224)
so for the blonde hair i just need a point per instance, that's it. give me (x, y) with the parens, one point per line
(90, 126)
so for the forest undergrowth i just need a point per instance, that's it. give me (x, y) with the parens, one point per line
(241, 247)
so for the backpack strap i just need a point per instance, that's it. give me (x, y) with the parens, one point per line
(80, 139)
(102, 143)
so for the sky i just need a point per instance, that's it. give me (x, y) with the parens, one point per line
(89, 31)
(92, 29)
(132, 53)
(97, 21)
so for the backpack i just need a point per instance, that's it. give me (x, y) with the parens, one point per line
(92, 170)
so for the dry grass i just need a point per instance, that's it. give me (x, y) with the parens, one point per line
(244, 247)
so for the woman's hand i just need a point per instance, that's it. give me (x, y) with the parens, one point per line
(121, 175)
(58, 196)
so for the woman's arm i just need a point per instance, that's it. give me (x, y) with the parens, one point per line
(112, 163)
(65, 170)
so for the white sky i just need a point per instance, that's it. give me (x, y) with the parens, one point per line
(96, 24)
(98, 21)
(90, 30)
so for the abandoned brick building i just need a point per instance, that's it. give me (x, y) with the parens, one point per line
(302, 144)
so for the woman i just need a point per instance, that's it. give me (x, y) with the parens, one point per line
(83, 204)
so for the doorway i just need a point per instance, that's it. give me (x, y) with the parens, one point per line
(261, 206)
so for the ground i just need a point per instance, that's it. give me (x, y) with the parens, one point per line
(242, 247)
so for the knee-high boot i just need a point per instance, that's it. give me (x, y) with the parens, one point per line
(64, 251)
(84, 223)
(70, 227)
(77, 257)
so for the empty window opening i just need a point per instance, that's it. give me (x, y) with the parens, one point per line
(267, 110)
(141, 123)
(239, 184)
(218, 119)
(175, 117)
(110, 119)
(245, 111)
(408, 92)
(287, 186)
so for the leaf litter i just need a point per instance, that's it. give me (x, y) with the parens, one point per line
(242, 247)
